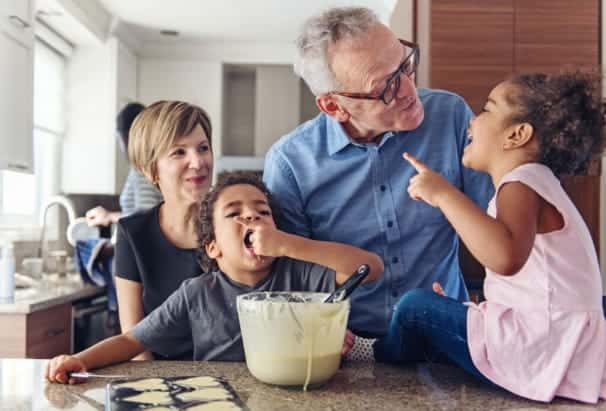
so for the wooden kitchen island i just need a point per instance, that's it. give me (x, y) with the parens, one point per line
(356, 386)
(40, 322)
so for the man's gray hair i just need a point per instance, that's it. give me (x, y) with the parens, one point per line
(318, 34)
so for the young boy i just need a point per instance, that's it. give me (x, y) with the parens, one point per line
(244, 252)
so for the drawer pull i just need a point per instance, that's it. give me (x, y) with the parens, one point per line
(18, 21)
(53, 332)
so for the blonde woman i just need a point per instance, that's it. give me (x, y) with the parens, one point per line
(170, 143)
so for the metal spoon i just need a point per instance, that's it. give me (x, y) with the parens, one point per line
(348, 286)
(93, 375)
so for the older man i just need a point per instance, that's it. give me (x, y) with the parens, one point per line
(341, 176)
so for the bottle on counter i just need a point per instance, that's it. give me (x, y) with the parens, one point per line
(7, 273)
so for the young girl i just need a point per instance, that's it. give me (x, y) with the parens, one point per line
(541, 333)
(245, 252)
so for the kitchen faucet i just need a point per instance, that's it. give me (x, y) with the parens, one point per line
(71, 216)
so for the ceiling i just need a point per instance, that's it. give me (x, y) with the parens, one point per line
(227, 20)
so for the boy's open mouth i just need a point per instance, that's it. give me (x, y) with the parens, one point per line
(248, 239)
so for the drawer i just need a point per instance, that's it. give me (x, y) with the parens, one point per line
(49, 332)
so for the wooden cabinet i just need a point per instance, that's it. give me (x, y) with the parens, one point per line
(16, 21)
(40, 334)
(16, 89)
(476, 44)
(551, 34)
(471, 46)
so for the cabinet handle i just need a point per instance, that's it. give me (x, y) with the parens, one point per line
(53, 332)
(16, 20)
(17, 166)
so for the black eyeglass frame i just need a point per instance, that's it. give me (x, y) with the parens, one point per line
(394, 80)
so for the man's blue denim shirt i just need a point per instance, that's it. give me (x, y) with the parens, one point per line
(331, 188)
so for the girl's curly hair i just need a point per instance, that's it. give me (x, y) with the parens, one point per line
(567, 115)
(205, 227)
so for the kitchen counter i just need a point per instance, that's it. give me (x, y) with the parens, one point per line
(356, 386)
(49, 293)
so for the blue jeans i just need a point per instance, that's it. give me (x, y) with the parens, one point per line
(426, 326)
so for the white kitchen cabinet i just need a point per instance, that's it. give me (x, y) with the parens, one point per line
(101, 80)
(16, 87)
(16, 21)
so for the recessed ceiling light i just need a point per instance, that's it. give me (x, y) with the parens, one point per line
(173, 33)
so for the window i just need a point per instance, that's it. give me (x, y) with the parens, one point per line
(21, 194)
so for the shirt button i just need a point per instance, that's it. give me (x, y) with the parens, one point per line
(383, 188)
(394, 293)
(390, 224)
(395, 260)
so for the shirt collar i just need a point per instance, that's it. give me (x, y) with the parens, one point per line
(338, 138)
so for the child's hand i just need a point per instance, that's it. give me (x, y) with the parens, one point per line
(427, 185)
(349, 342)
(266, 239)
(437, 288)
(58, 369)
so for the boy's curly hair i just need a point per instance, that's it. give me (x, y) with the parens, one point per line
(205, 227)
(567, 115)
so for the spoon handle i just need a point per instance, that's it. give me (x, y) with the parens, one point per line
(348, 286)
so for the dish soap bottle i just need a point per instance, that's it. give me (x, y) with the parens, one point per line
(7, 274)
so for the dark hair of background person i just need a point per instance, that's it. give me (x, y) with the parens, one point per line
(125, 119)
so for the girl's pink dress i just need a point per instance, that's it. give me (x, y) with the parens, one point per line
(541, 333)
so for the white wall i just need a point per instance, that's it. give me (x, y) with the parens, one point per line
(401, 20)
(194, 81)
(193, 72)
(89, 147)
(229, 52)
(126, 85)
(277, 100)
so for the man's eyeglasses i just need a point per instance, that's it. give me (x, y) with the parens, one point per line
(408, 67)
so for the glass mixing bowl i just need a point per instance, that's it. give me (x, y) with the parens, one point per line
(292, 338)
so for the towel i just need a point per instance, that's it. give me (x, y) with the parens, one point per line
(96, 267)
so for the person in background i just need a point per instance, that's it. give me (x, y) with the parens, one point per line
(244, 252)
(156, 250)
(138, 193)
(340, 177)
(541, 332)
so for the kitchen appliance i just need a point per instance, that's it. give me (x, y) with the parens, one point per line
(292, 338)
(92, 322)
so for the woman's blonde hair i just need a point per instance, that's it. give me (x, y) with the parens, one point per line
(157, 128)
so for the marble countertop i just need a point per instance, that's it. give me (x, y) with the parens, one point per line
(48, 293)
(356, 386)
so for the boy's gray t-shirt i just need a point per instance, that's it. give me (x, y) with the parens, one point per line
(199, 321)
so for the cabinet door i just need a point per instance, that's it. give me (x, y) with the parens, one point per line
(16, 105)
(471, 46)
(41, 334)
(15, 21)
(49, 332)
(555, 34)
(552, 35)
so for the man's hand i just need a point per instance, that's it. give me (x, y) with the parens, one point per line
(266, 239)
(428, 185)
(59, 368)
(437, 288)
(98, 217)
